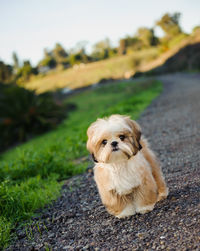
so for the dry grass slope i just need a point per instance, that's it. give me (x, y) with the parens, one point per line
(117, 67)
(88, 74)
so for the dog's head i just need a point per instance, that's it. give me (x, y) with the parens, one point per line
(113, 139)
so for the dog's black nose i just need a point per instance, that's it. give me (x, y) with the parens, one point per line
(114, 143)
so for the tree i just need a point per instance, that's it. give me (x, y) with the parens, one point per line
(134, 43)
(48, 60)
(79, 57)
(15, 61)
(59, 54)
(78, 53)
(5, 72)
(101, 49)
(25, 72)
(169, 23)
(80, 46)
(147, 36)
(122, 46)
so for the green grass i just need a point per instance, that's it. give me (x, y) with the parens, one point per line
(31, 174)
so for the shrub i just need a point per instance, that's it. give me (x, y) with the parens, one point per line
(49, 62)
(24, 114)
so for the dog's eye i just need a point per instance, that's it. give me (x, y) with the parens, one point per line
(122, 137)
(104, 142)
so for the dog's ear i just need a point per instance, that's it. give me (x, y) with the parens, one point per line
(90, 147)
(136, 132)
(90, 132)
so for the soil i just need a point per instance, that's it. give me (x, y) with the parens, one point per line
(79, 221)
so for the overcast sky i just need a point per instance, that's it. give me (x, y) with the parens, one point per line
(29, 26)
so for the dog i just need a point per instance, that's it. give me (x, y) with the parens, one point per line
(127, 173)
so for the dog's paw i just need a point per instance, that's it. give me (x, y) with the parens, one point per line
(127, 211)
(163, 195)
(145, 209)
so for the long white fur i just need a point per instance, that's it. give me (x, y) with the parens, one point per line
(125, 175)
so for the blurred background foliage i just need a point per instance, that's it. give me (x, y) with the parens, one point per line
(60, 58)
(23, 114)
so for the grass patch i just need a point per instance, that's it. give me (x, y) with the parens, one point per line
(30, 174)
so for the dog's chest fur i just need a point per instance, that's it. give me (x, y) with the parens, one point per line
(126, 175)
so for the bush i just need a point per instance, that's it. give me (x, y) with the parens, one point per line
(49, 62)
(25, 72)
(23, 114)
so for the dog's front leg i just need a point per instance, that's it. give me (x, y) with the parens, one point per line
(112, 201)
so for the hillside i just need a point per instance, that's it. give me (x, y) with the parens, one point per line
(183, 57)
(87, 74)
(117, 67)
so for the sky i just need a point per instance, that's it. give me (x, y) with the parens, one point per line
(29, 26)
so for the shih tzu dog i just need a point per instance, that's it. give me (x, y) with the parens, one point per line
(127, 173)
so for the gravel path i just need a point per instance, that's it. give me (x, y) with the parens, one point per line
(78, 221)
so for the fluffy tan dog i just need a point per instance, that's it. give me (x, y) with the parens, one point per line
(127, 173)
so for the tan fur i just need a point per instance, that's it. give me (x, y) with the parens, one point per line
(155, 169)
(136, 132)
(129, 179)
(113, 202)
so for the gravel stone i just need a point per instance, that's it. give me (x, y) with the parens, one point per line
(79, 221)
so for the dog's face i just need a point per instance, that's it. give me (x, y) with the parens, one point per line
(113, 139)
